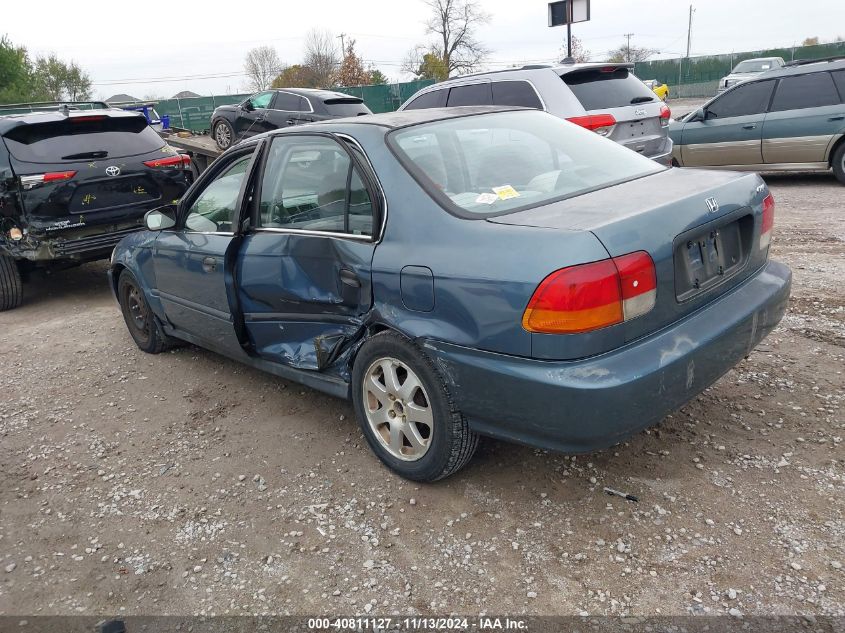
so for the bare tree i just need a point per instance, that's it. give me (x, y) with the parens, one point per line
(626, 53)
(579, 52)
(321, 57)
(453, 23)
(262, 65)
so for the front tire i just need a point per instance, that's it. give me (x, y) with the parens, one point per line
(224, 135)
(838, 163)
(406, 411)
(11, 286)
(139, 319)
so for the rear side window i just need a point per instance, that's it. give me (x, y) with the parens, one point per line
(474, 94)
(515, 93)
(745, 99)
(288, 102)
(608, 87)
(82, 138)
(805, 91)
(433, 99)
(346, 107)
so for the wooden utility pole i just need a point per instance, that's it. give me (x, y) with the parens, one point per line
(628, 36)
(342, 44)
(689, 29)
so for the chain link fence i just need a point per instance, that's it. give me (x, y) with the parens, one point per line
(699, 76)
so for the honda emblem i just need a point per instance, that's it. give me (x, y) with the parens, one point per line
(712, 205)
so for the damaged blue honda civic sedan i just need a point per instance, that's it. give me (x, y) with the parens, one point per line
(462, 272)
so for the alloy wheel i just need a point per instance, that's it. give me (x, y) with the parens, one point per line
(223, 135)
(398, 409)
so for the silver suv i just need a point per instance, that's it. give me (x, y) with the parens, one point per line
(606, 98)
(748, 69)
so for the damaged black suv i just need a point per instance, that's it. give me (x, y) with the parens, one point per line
(73, 183)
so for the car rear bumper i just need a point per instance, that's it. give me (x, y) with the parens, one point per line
(585, 405)
(74, 249)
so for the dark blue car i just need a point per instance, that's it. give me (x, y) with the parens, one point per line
(462, 272)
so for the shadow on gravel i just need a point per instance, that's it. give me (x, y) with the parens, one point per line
(801, 179)
(61, 288)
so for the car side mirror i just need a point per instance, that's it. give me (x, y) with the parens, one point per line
(698, 115)
(161, 219)
(247, 105)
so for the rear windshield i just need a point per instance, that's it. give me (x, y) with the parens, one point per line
(346, 107)
(608, 87)
(755, 66)
(490, 164)
(82, 138)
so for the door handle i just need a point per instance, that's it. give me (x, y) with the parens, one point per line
(349, 278)
(749, 126)
(209, 264)
(838, 117)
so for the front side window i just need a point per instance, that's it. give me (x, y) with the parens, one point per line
(261, 100)
(214, 211)
(813, 90)
(490, 164)
(744, 100)
(311, 183)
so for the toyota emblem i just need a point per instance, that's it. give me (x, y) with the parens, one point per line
(113, 170)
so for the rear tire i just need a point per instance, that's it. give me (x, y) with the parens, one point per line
(406, 411)
(140, 320)
(838, 163)
(224, 135)
(11, 286)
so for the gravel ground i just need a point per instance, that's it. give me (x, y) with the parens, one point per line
(188, 484)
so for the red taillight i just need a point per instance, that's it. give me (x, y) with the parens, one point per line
(665, 115)
(592, 296)
(59, 175)
(28, 182)
(599, 123)
(95, 117)
(768, 221)
(180, 161)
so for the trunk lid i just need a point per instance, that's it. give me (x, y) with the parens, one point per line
(670, 215)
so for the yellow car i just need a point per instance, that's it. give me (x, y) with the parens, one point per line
(661, 90)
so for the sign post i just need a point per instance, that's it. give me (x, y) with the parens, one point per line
(567, 12)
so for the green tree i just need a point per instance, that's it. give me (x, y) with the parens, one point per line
(60, 80)
(377, 78)
(426, 64)
(296, 76)
(16, 83)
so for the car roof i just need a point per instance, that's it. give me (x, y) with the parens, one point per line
(10, 121)
(805, 66)
(560, 69)
(316, 93)
(398, 119)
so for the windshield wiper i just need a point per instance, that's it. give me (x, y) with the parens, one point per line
(641, 99)
(101, 153)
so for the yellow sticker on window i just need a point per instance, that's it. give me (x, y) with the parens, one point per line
(506, 192)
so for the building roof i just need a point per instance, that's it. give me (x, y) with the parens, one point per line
(121, 98)
(185, 94)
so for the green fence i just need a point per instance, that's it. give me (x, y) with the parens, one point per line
(699, 76)
(195, 113)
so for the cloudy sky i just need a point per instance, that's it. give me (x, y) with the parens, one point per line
(160, 48)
